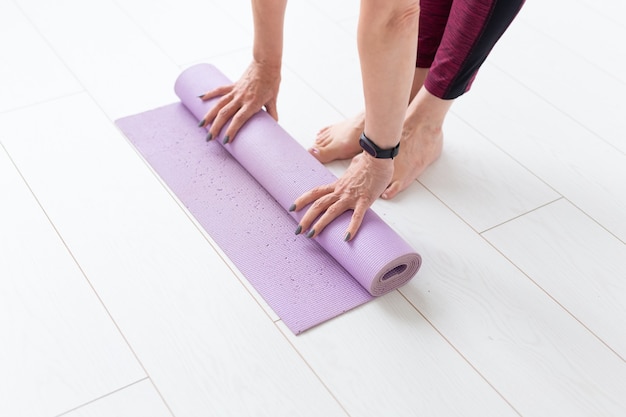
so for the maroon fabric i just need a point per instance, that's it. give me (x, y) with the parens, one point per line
(455, 37)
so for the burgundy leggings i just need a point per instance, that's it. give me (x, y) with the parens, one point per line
(455, 37)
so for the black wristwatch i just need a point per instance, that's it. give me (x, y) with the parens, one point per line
(373, 149)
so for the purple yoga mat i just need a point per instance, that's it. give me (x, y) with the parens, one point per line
(239, 193)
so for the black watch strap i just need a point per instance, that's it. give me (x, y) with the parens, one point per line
(373, 149)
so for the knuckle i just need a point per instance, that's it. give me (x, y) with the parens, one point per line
(334, 210)
(357, 218)
(318, 204)
(223, 101)
(317, 190)
(223, 113)
(360, 210)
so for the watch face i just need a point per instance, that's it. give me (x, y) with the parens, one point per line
(367, 147)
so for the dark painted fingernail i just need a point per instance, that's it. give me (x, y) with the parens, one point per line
(299, 230)
(347, 238)
(201, 95)
(292, 207)
(311, 233)
(226, 139)
(209, 136)
(201, 123)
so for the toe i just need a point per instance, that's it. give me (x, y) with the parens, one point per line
(323, 130)
(320, 154)
(324, 141)
(323, 135)
(391, 191)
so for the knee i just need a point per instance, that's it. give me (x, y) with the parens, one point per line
(392, 16)
(405, 17)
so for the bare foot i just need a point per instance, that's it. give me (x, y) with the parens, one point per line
(339, 141)
(418, 149)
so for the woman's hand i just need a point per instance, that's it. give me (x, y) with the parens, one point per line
(363, 182)
(257, 88)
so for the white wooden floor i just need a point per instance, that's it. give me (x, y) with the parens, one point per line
(113, 302)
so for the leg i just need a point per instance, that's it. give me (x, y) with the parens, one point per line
(472, 30)
(421, 142)
(341, 140)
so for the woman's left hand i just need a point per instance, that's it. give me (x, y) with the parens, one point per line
(363, 182)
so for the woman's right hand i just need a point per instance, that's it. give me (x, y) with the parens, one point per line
(257, 88)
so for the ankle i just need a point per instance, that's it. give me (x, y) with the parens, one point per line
(425, 131)
(433, 131)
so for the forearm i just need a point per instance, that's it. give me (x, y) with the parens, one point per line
(268, 32)
(387, 41)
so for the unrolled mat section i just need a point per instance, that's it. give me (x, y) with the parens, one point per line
(239, 193)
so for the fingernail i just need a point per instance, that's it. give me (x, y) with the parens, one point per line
(201, 123)
(201, 95)
(315, 150)
(292, 207)
(347, 238)
(311, 233)
(209, 136)
(298, 230)
(226, 139)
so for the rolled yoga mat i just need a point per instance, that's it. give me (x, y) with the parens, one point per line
(239, 193)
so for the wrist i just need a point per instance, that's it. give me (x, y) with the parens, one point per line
(382, 163)
(269, 65)
(372, 149)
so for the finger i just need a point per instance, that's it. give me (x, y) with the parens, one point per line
(221, 103)
(211, 114)
(223, 116)
(312, 195)
(240, 118)
(356, 220)
(332, 212)
(219, 91)
(317, 208)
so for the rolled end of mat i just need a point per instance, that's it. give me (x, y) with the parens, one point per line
(395, 274)
(378, 258)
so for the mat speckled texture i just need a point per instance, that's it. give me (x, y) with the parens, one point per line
(239, 193)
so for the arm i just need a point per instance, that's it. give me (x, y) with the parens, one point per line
(387, 41)
(269, 17)
(259, 85)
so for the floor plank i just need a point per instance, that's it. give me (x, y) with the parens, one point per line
(188, 30)
(396, 364)
(59, 346)
(600, 48)
(112, 58)
(479, 182)
(137, 400)
(327, 59)
(568, 79)
(31, 77)
(574, 260)
(569, 158)
(517, 337)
